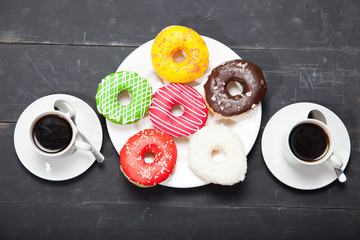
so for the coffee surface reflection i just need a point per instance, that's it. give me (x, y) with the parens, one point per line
(52, 133)
(309, 142)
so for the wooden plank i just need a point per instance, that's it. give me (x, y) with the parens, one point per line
(28, 72)
(308, 50)
(239, 24)
(110, 221)
(78, 70)
(104, 183)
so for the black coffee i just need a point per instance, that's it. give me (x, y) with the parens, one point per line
(308, 142)
(52, 133)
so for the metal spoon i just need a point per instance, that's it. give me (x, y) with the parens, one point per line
(340, 174)
(65, 107)
(316, 114)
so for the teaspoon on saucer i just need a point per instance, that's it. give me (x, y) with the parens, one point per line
(316, 114)
(65, 107)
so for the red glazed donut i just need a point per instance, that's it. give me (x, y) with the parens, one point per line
(132, 160)
(195, 110)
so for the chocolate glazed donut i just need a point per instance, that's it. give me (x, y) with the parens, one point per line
(248, 75)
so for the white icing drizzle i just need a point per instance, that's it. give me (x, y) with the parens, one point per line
(195, 110)
(120, 81)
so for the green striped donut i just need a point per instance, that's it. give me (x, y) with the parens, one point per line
(110, 88)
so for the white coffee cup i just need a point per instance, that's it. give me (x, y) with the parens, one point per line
(41, 133)
(308, 143)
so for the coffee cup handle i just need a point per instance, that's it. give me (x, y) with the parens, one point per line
(335, 161)
(82, 145)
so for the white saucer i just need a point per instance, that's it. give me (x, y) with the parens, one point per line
(68, 167)
(300, 177)
(247, 126)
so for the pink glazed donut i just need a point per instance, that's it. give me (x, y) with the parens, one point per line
(195, 110)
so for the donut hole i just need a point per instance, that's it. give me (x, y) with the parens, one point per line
(234, 88)
(177, 110)
(124, 98)
(149, 157)
(217, 155)
(179, 56)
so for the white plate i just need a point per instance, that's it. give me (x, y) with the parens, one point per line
(298, 176)
(68, 167)
(247, 126)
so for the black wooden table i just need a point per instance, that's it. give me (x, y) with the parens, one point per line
(309, 51)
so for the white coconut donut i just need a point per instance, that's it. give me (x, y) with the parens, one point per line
(220, 138)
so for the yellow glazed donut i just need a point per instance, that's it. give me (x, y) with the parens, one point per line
(174, 39)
